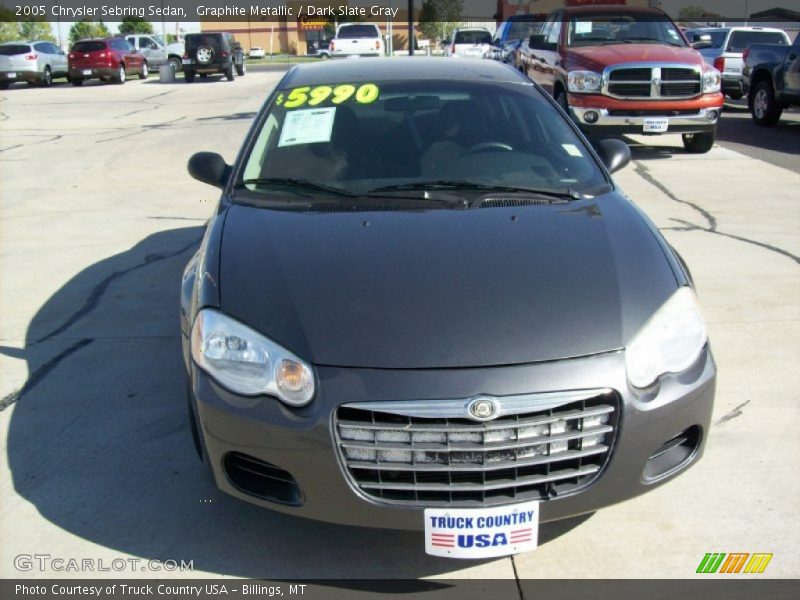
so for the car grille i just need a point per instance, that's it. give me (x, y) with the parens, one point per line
(653, 82)
(429, 453)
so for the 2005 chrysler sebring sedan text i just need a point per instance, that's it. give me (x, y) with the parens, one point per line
(423, 303)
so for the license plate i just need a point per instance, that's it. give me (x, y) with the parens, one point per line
(186, 61)
(656, 125)
(481, 532)
(11, 75)
(87, 71)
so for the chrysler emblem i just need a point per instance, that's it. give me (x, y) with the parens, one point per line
(482, 408)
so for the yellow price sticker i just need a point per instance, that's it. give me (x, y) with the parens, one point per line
(366, 93)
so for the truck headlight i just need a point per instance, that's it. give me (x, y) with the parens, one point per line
(712, 81)
(669, 342)
(584, 82)
(246, 362)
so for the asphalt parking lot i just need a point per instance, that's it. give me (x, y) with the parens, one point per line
(98, 218)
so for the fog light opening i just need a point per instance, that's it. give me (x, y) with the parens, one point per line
(591, 117)
(261, 479)
(712, 115)
(673, 454)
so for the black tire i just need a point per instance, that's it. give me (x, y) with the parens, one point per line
(47, 77)
(241, 69)
(203, 75)
(188, 76)
(4, 85)
(193, 425)
(176, 64)
(77, 82)
(764, 109)
(121, 75)
(145, 71)
(230, 73)
(699, 143)
(561, 100)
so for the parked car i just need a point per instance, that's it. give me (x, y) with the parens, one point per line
(626, 70)
(105, 59)
(510, 34)
(725, 49)
(321, 49)
(36, 62)
(155, 52)
(211, 53)
(468, 42)
(771, 80)
(478, 324)
(356, 39)
(256, 52)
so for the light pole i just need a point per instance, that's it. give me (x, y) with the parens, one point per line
(411, 27)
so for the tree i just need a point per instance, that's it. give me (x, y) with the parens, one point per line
(697, 13)
(438, 18)
(9, 31)
(87, 29)
(134, 25)
(35, 30)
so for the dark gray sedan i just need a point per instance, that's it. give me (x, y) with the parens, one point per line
(423, 303)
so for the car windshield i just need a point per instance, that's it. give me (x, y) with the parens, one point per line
(523, 29)
(621, 28)
(363, 137)
(717, 37)
(742, 39)
(13, 49)
(88, 46)
(357, 31)
(473, 36)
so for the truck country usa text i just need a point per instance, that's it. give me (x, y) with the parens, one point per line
(482, 522)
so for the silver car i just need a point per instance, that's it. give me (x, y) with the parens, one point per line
(35, 62)
(726, 49)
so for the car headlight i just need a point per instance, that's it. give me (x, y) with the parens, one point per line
(669, 342)
(584, 82)
(712, 81)
(246, 362)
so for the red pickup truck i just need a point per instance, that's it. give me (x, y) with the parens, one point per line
(626, 70)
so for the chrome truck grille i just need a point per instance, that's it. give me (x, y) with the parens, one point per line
(435, 452)
(648, 81)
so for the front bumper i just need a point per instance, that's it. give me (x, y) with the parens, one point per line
(300, 441)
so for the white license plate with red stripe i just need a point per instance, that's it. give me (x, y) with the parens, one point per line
(482, 532)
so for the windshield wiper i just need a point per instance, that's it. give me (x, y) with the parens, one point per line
(567, 194)
(298, 183)
(649, 39)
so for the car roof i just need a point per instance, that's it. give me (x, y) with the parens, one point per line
(400, 69)
(609, 9)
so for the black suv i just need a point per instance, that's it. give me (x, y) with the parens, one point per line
(212, 53)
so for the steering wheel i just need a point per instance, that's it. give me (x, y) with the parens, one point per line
(488, 147)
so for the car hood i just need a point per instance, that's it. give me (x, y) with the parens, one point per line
(444, 288)
(599, 57)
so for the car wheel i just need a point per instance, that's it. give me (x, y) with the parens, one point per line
(765, 109)
(241, 69)
(561, 100)
(47, 77)
(699, 143)
(175, 63)
(203, 75)
(4, 85)
(188, 76)
(230, 74)
(121, 75)
(145, 71)
(77, 82)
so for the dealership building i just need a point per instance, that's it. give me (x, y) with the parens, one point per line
(297, 34)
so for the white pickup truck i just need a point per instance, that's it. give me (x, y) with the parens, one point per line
(155, 52)
(356, 39)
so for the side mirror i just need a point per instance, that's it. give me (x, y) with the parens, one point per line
(615, 154)
(210, 168)
(536, 42)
